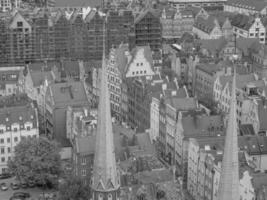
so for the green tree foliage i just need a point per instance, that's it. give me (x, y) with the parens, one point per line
(73, 189)
(38, 160)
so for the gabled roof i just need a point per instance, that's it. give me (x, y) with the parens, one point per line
(242, 21)
(257, 5)
(213, 45)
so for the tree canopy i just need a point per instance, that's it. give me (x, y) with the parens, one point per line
(73, 188)
(36, 159)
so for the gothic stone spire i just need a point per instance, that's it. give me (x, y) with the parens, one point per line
(105, 180)
(229, 181)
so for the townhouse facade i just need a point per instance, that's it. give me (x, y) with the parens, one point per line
(19, 120)
(252, 28)
(175, 23)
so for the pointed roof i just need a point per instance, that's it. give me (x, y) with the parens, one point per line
(229, 181)
(105, 177)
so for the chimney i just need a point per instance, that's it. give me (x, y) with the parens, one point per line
(164, 86)
(85, 112)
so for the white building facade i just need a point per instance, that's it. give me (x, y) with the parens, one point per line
(16, 123)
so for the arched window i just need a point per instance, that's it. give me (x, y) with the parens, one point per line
(109, 196)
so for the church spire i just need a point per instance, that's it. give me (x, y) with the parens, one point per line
(229, 181)
(105, 179)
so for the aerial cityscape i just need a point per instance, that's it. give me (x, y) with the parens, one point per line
(133, 100)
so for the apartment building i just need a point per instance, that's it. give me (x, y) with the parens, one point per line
(5, 5)
(148, 30)
(57, 99)
(176, 22)
(10, 78)
(18, 120)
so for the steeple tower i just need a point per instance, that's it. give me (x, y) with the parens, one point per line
(105, 179)
(229, 181)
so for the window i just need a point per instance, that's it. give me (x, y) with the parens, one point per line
(16, 139)
(2, 141)
(100, 197)
(83, 161)
(8, 149)
(83, 172)
(109, 196)
(1, 131)
(19, 24)
(28, 128)
(3, 159)
(8, 140)
(15, 129)
(2, 150)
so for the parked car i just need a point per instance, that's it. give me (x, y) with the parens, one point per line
(14, 185)
(5, 176)
(16, 198)
(23, 184)
(22, 194)
(4, 186)
(31, 184)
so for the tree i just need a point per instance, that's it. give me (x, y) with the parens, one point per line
(74, 189)
(38, 160)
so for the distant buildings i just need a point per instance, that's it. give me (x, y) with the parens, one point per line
(148, 30)
(212, 27)
(212, 4)
(175, 23)
(246, 7)
(18, 120)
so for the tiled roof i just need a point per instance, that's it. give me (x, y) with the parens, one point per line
(77, 3)
(241, 80)
(209, 68)
(182, 104)
(242, 21)
(257, 5)
(18, 114)
(207, 25)
(214, 45)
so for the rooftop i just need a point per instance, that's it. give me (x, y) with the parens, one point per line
(77, 3)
